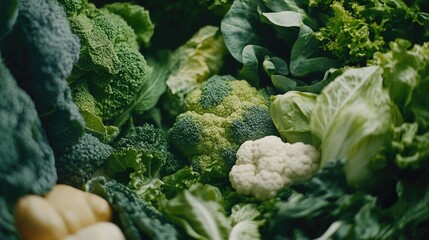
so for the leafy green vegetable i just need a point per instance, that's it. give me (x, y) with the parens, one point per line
(112, 79)
(354, 30)
(27, 161)
(180, 180)
(354, 113)
(191, 64)
(184, 16)
(405, 74)
(403, 70)
(277, 38)
(40, 53)
(291, 114)
(137, 219)
(245, 224)
(199, 211)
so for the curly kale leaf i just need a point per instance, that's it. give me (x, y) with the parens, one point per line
(137, 219)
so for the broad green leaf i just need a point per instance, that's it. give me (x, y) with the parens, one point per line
(240, 27)
(305, 57)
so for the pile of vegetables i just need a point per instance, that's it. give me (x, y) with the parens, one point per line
(214, 119)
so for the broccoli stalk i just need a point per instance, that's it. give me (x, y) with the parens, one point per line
(221, 115)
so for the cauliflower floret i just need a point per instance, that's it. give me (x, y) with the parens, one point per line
(266, 184)
(244, 175)
(267, 165)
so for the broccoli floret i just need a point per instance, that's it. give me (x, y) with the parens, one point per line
(143, 149)
(137, 17)
(90, 112)
(247, 127)
(114, 93)
(79, 162)
(137, 219)
(192, 64)
(73, 7)
(187, 131)
(27, 162)
(214, 92)
(220, 116)
(40, 53)
(115, 72)
(144, 155)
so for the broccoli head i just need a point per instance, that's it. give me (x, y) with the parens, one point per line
(219, 117)
(111, 68)
(143, 149)
(81, 161)
(141, 158)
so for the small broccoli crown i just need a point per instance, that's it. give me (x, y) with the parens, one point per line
(254, 123)
(110, 62)
(80, 161)
(116, 28)
(240, 94)
(137, 219)
(136, 17)
(150, 142)
(144, 149)
(214, 90)
(186, 131)
(97, 52)
(114, 93)
(228, 155)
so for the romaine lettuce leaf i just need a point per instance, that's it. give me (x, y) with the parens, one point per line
(199, 211)
(353, 118)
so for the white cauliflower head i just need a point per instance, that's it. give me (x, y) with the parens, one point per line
(267, 165)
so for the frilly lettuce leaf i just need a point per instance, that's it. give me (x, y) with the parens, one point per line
(406, 75)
